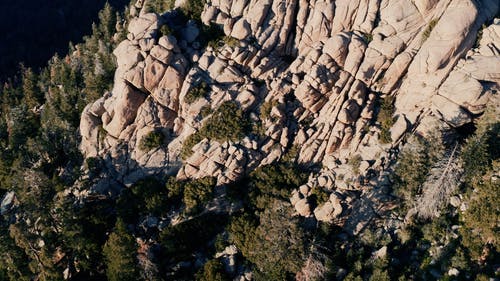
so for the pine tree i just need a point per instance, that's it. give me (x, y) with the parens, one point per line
(120, 254)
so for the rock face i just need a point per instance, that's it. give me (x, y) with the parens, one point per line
(320, 68)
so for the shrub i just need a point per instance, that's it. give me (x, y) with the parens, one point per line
(414, 163)
(174, 187)
(151, 141)
(193, 9)
(210, 35)
(165, 30)
(266, 107)
(197, 193)
(386, 119)
(231, 41)
(189, 143)
(319, 195)
(278, 249)
(272, 182)
(205, 111)
(213, 270)
(475, 158)
(479, 36)
(228, 123)
(200, 91)
(147, 195)
(101, 134)
(429, 29)
(181, 240)
(160, 6)
(368, 37)
(480, 220)
(219, 41)
(355, 163)
(242, 232)
(275, 245)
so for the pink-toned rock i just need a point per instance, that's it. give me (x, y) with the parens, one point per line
(126, 106)
(241, 29)
(303, 208)
(153, 73)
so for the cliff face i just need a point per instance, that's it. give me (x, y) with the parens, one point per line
(309, 75)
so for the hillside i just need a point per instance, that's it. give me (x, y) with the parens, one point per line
(259, 140)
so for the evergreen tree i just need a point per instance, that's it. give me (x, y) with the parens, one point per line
(120, 254)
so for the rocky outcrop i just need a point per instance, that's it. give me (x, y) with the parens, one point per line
(308, 74)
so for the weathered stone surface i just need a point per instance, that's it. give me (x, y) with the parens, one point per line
(153, 73)
(162, 54)
(241, 29)
(126, 105)
(452, 113)
(127, 55)
(303, 207)
(319, 67)
(144, 26)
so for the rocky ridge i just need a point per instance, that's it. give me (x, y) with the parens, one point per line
(322, 67)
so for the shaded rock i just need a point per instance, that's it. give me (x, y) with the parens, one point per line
(8, 201)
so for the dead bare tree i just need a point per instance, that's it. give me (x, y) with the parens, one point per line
(442, 181)
(314, 267)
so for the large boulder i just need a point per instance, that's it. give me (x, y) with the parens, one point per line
(126, 105)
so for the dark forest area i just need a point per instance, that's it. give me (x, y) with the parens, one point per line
(31, 31)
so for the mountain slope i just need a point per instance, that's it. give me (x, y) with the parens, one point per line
(259, 140)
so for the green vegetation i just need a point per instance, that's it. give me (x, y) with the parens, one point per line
(119, 253)
(319, 195)
(472, 246)
(159, 6)
(197, 193)
(193, 9)
(265, 109)
(212, 271)
(146, 196)
(181, 240)
(278, 258)
(151, 141)
(227, 123)
(87, 221)
(367, 37)
(231, 41)
(200, 91)
(355, 163)
(481, 162)
(166, 30)
(221, 40)
(210, 35)
(414, 164)
(39, 157)
(274, 182)
(189, 143)
(205, 111)
(386, 119)
(268, 189)
(479, 36)
(428, 30)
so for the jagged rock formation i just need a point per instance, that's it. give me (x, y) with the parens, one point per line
(320, 67)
